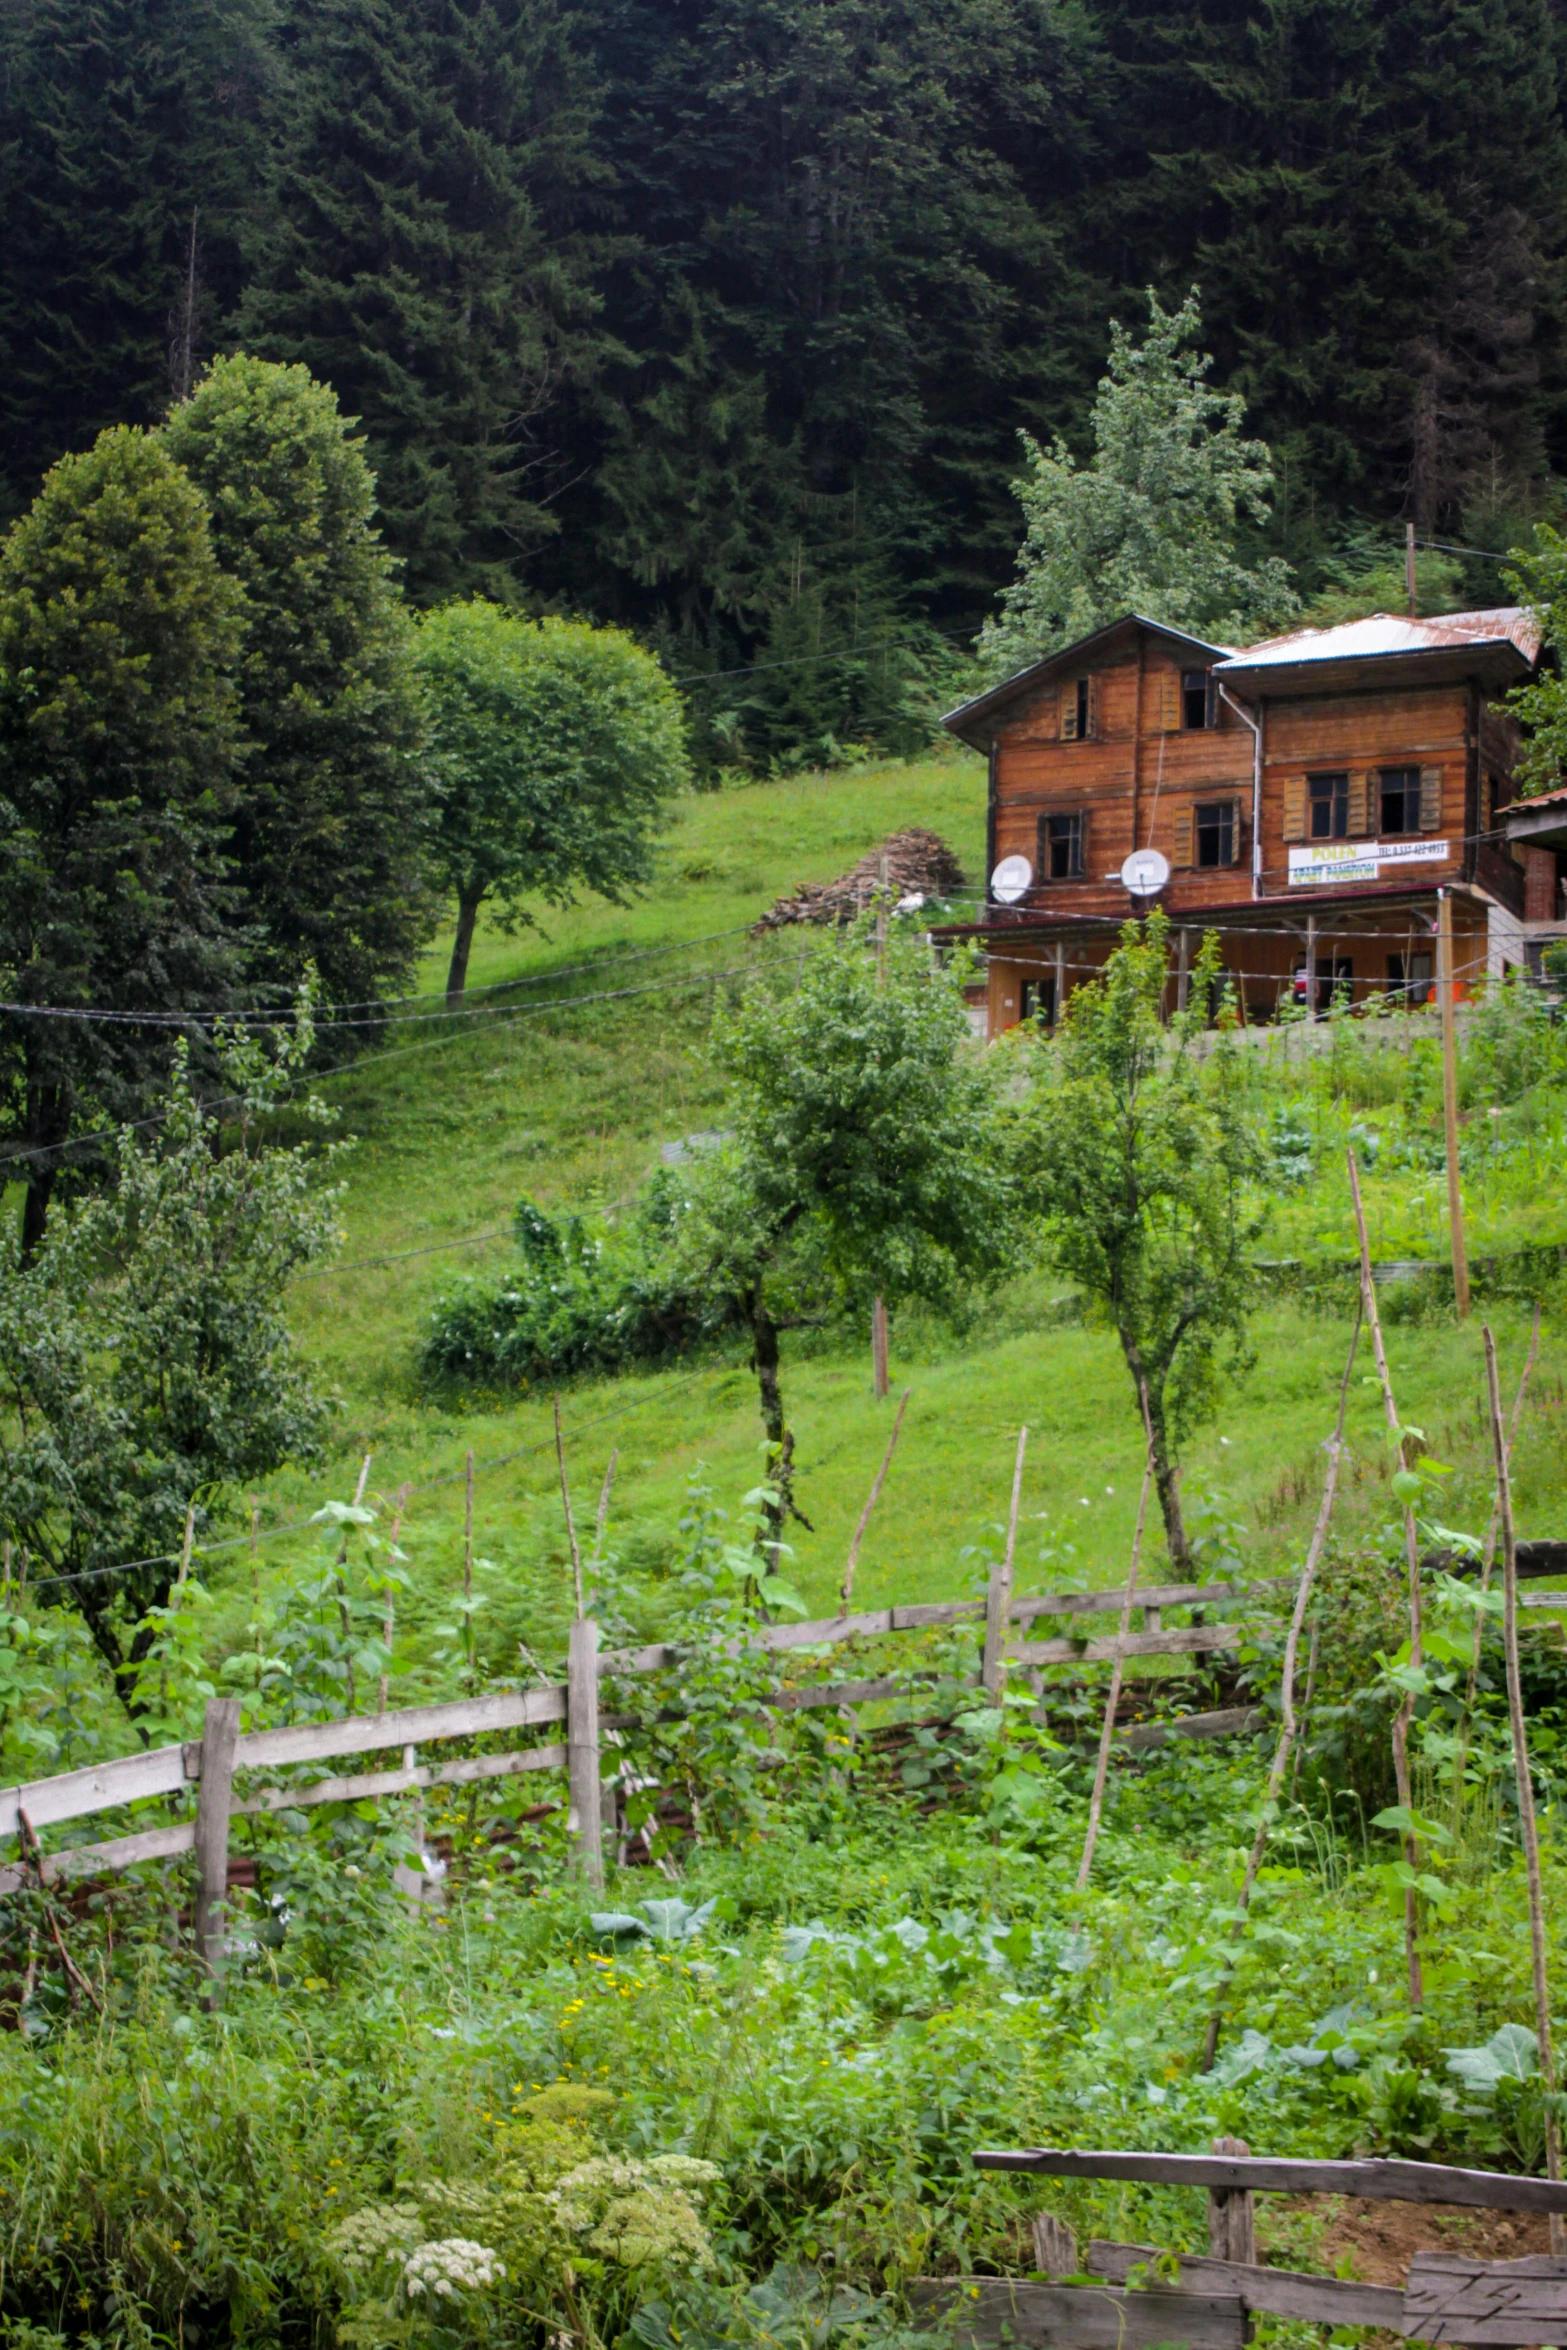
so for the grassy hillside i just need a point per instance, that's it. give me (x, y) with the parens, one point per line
(453, 1121)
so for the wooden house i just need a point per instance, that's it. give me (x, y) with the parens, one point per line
(1308, 798)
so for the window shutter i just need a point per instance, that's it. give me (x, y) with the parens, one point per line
(1295, 807)
(1081, 866)
(1357, 807)
(1373, 783)
(1183, 836)
(1238, 831)
(1093, 705)
(1430, 799)
(1170, 701)
(1069, 712)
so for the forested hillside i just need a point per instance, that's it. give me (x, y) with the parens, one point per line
(721, 317)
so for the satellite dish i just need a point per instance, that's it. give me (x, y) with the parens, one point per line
(1011, 880)
(1145, 873)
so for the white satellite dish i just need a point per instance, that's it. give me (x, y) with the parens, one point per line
(1012, 879)
(1145, 873)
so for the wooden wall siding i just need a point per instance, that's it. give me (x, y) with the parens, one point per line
(1423, 727)
(1136, 784)
(1154, 773)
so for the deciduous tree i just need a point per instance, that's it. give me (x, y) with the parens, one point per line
(331, 832)
(119, 637)
(1151, 523)
(1141, 1161)
(146, 1366)
(555, 745)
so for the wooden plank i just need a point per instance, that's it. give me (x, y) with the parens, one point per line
(1156, 1595)
(73, 1795)
(1186, 1641)
(943, 1611)
(417, 1725)
(1404, 2182)
(118, 1852)
(661, 1657)
(870, 1626)
(840, 1693)
(990, 2310)
(464, 1771)
(1274, 2292)
(1231, 1721)
(1450, 2298)
(1535, 1559)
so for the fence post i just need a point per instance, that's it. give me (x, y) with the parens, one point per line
(584, 1821)
(998, 1597)
(1232, 2214)
(219, 1738)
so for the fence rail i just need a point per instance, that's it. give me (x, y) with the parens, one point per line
(211, 1763)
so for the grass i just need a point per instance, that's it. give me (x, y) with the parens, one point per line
(570, 1106)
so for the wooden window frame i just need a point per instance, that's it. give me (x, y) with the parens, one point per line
(1078, 852)
(1338, 778)
(1409, 791)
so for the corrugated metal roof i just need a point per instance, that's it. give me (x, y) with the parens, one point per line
(1382, 633)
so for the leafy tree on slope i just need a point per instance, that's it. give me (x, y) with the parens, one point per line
(1150, 525)
(145, 1359)
(331, 833)
(119, 637)
(556, 745)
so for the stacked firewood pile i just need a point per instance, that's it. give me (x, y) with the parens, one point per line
(919, 864)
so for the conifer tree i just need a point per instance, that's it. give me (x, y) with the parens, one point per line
(132, 137)
(424, 260)
(118, 639)
(330, 832)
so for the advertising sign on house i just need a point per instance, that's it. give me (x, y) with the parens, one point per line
(1335, 861)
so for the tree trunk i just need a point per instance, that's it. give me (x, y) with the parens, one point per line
(1166, 1473)
(48, 1128)
(780, 1439)
(462, 944)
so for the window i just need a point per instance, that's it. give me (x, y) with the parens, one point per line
(1039, 1000)
(1329, 806)
(1061, 846)
(1215, 829)
(1410, 976)
(1077, 709)
(1400, 799)
(1194, 699)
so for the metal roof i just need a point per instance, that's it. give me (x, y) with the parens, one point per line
(1385, 633)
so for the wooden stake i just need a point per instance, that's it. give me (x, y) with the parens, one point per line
(1113, 1695)
(1311, 966)
(880, 1379)
(1527, 1829)
(186, 1545)
(1492, 1531)
(467, 1560)
(585, 1819)
(571, 1523)
(389, 1618)
(1455, 1190)
(219, 1738)
(344, 1617)
(998, 1600)
(874, 1496)
(601, 1522)
(1287, 1723)
(1405, 1713)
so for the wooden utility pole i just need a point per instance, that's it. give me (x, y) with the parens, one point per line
(1528, 1833)
(879, 1378)
(1311, 966)
(1409, 568)
(1455, 1191)
(998, 1600)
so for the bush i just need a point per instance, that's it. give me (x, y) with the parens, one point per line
(581, 1298)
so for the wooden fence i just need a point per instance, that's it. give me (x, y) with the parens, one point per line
(212, 1762)
(1133, 2296)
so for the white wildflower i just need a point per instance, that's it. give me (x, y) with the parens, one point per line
(451, 2265)
(376, 2232)
(638, 2212)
